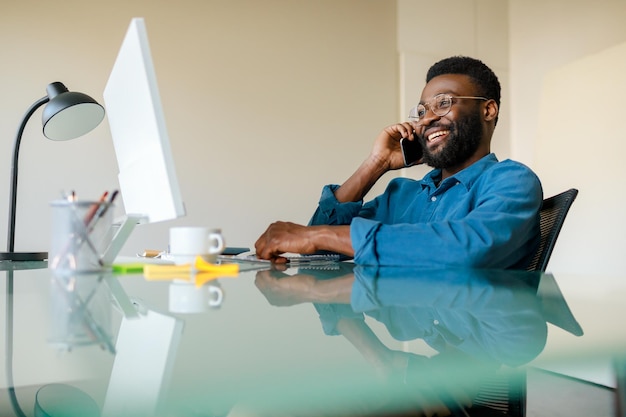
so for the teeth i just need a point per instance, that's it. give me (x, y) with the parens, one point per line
(437, 134)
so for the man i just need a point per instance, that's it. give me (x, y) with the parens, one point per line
(470, 211)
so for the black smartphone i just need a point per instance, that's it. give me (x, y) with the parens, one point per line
(411, 150)
(234, 251)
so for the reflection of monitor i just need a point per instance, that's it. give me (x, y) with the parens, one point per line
(147, 175)
(146, 351)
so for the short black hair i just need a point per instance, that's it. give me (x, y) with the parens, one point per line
(484, 78)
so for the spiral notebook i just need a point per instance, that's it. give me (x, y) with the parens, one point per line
(249, 262)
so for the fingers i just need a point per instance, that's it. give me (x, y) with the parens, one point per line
(262, 246)
(406, 130)
(400, 130)
(387, 146)
(278, 260)
(276, 240)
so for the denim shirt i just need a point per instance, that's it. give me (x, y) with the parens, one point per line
(485, 216)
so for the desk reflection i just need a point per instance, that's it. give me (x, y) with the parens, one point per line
(483, 324)
(80, 311)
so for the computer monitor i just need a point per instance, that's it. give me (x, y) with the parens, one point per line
(147, 175)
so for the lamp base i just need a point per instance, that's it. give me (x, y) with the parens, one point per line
(23, 256)
(57, 400)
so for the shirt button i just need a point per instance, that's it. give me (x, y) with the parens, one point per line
(433, 198)
(436, 322)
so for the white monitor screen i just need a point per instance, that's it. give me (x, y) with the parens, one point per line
(147, 176)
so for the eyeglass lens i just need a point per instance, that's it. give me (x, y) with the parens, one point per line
(440, 105)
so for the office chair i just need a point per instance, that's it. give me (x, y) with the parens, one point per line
(552, 216)
(506, 391)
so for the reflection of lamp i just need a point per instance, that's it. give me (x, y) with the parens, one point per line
(68, 115)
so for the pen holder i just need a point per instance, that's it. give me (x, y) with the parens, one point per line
(81, 232)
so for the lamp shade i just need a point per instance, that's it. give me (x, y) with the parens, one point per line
(69, 115)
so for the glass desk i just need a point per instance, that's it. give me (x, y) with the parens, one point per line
(327, 340)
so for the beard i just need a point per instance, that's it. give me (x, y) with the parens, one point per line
(463, 141)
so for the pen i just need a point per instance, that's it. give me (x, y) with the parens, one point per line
(112, 198)
(102, 209)
(94, 208)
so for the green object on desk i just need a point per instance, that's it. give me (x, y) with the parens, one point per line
(131, 268)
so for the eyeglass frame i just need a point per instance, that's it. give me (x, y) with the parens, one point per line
(427, 106)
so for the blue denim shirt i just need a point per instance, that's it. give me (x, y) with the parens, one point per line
(485, 216)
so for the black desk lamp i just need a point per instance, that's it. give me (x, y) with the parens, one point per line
(68, 115)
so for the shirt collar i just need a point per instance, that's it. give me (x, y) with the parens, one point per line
(466, 176)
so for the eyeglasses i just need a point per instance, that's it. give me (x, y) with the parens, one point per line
(440, 105)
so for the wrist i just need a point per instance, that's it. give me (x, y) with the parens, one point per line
(376, 165)
(332, 238)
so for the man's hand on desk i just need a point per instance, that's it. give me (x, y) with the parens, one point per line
(282, 237)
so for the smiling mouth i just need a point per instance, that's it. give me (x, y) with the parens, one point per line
(433, 137)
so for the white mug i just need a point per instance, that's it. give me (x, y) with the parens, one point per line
(186, 297)
(188, 242)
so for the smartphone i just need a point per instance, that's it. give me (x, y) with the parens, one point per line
(411, 150)
(234, 251)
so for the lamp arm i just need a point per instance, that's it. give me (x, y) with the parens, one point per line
(13, 188)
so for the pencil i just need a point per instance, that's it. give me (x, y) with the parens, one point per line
(94, 208)
(102, 209)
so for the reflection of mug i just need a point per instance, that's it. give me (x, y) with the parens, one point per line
(188, 242)
(185, 297)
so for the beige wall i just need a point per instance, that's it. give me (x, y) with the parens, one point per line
(561, 127)
(545, 35)
(265, 102)
(583, 146)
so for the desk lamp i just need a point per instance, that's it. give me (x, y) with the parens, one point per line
(67, 115)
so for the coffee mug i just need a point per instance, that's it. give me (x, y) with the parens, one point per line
(186, 297)
(188, 242)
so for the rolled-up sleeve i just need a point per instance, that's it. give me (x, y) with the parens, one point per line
(332, 212)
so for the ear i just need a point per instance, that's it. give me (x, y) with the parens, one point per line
(491, 110)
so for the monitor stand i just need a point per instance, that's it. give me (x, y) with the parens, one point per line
(121, 236)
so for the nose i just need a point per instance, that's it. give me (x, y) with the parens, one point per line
(428, 117)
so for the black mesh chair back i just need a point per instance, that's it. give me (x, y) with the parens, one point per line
(552, 216)
(506, 392)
